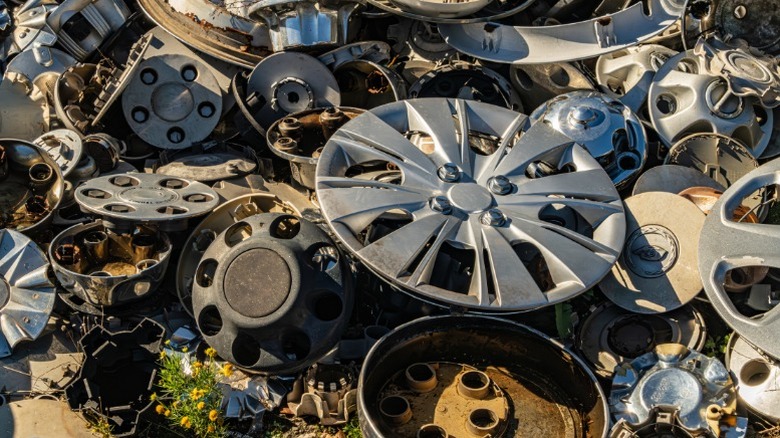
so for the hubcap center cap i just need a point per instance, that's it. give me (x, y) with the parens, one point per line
(172, 102)
(5, 292)
(470, 197)
(255, 267)
(148, 195)
(672, 387)
(652, 251)
(582, 115)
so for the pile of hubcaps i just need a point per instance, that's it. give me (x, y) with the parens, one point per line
(342, 210)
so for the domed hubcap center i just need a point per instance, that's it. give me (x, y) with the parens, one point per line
(172, 102)
(257, 283)
(148, 195)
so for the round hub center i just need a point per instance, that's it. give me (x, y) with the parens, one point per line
(293, 96)
(652, 251)
(257, 283)
(672, 387)
(470, 197)
(148, 195)
(582, 115)
(631, 337)
(172, 102)
(5, 292)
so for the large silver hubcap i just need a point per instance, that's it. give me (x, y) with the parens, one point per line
(483, 212)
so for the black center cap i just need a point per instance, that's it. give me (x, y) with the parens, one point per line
(257, 283)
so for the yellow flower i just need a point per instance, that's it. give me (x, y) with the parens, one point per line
(197, 393)
(184, 349)
(210, 352)
(211, 428)
(160, 409)
(167, 413)
(201, 405)
(185, 422)
(213, 415)
(153, 397)
(167, 342)
(226, 370)
(197, 364)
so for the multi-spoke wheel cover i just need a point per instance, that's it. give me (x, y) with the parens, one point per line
(685, 99)
(726, 244)
(26, 293)
(498, 280)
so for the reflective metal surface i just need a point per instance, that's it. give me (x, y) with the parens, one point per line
(26, 293)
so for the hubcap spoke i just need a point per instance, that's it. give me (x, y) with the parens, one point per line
(513, 283)
(589, 184)
(540, 140)
(398, 250)
(357, 207)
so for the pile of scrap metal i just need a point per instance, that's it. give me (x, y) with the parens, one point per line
(428, 218)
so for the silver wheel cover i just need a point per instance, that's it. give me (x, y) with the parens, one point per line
(726, 244)
(467, 215)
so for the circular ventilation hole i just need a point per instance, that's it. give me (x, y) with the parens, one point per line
(124, 181)
(140, 114)
(420, 372)
(175, 135)
(206, 109)
(559, 76)
(755, 372)
(293, 97)
(285, 227)
(204, 239)
(237, 233)
(149, 76)
(210, 321)
(295, 345)
(189, 73)
(666, 104)
(483, 419)
(246, 350)
(628, 161)
(324, 258)
(204, 275)
(475, 380)
(41, 173)
(328, 306)
(432, 431)
(394, 407)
